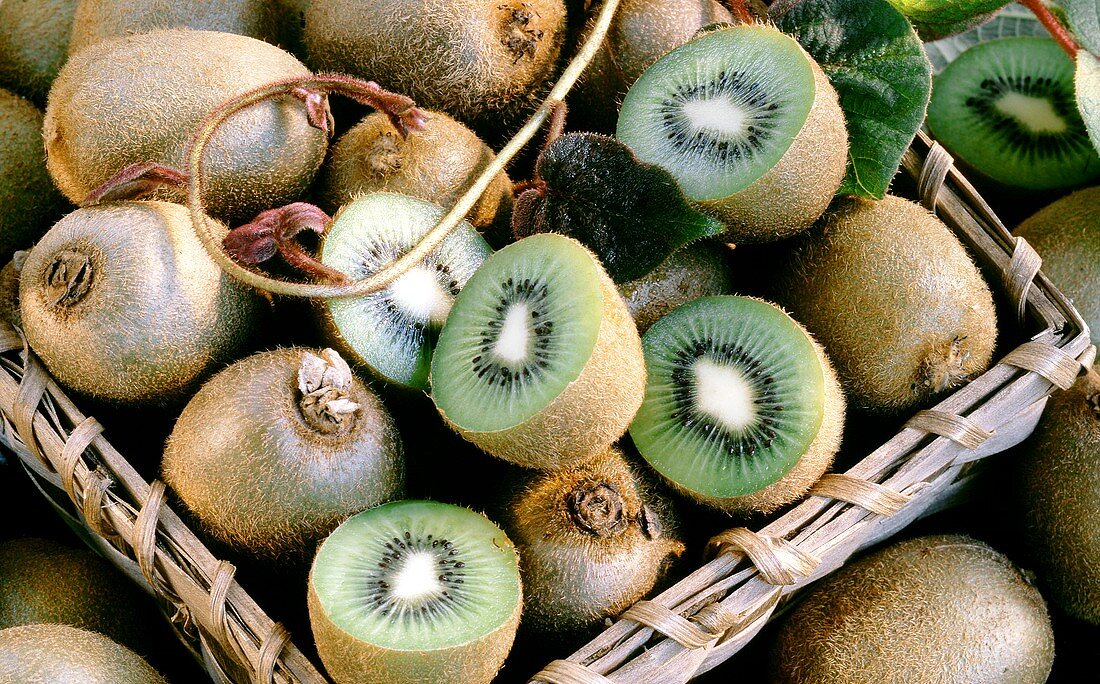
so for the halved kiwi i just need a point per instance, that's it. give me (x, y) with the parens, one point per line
(742, 410)
(539, 362)
(1007, 108)
(415, 591)
(748, 124)
(393, 332)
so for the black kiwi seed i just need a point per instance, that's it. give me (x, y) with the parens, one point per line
(486, 365)
(1028, 142)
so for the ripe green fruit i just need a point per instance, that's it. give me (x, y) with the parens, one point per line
(109, 108)
(59, 654)
(926, 611)
(34, 41)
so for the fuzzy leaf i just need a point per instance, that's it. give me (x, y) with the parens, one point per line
(630, 213)
(877, 64)
(1011, 22)
(1084, 21)
(1088, 94)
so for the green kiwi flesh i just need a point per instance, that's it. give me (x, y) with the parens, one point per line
(749, 126)
(1066, 234)
(435, 164)
(697, 270)
(1060, 485)
(592, 541)
(415, 591)
(122, 303)
(34, 40)
(52, 654)
(271, 462)
(903, 313)
(99, 20)
(924, 611)
(30, 200)
(107, 110)
(935, 19)
(738, 399)
(539, 362)
(1007, 108)
(393, 332)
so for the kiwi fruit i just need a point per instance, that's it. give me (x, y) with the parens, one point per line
(415, 591)
(34, 41)
(43, 581)
(935, 19)
(1066, 234)
(122, 303)
(56, 654)
(278, 449)
(1008, 109)
(749, 126)
(9, 289)
(392, 332)
(1060, 485)
(539, 362)
(107, 109)
(592, 541)
(903, 313)
(696, 270)
(742, 410)
(924, 611)
(31, 202)
(435, 164)
(99, 20)
(482, 61)
(641, 32)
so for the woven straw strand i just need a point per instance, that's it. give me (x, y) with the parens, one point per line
(92, 505)
(871, 496)
(568, 672)
(31, 390)
(675, 627)
(1021, 273)
(272, 646)
(78, 441)
(219, 589)
(936, 167)
(958, 429)
(778, 561)
(1049, 361)
(144, 541)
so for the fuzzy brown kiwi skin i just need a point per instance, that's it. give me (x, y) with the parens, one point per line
(122, 303)
(697, 270)
(141, 98)
(479, 60)
(34, 39)
(29, 199)
(435, 164)
(1060, 485)
(898, 304)
(48, 653)
(592, 541)
(593, 411)
(925, 611)
(99, 20)
(245, 457)
(9, 289)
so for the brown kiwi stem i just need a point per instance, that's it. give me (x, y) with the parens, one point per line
(136, 181)
(520, 32)
(371, 94)
(597, 508)
(1053, 26)
(325, 387)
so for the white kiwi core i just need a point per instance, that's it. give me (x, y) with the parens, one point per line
(722, 116)
(1033, 113)
(723, 394)
(515, 334)
(420, 294)
(418, 579)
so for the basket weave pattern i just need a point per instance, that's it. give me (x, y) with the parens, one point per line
(689, 628)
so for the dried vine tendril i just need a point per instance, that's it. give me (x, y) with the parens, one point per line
(310, 87)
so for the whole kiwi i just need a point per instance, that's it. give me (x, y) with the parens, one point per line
(9, 289)
(696, 270)
(278, 449)
(122, 303)
(1060, 488)
(925, 611)
(59, 654)
(895, 299)
(141, 98)
(435, 164)
(592, 541)
(478, 60)
(29, 199)
(99, 20)
(34, 41)
(1066, 234)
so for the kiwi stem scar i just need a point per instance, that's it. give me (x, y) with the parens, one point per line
(1053, 26)
(370, 93)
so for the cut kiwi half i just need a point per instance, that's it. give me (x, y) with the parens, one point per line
(749, 126)
(540, 362)
(1007, 108)
(392, 332)
(742, 410)
(415, 591)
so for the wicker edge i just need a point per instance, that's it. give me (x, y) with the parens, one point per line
(689, 628)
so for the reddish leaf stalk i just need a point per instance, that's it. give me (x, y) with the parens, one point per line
(741, 11)
(1059, 32)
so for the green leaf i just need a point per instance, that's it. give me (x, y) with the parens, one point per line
(631, 214)
(1011, 22)
(1087, 80)
(875, 61)
(1084, 21)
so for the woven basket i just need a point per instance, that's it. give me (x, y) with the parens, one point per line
(688, 629)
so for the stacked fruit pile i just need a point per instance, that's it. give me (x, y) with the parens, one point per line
(581, 327)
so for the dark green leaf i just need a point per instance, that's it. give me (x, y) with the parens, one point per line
(631, 214)
(876, 63)
(1088, 94)
(1084, 21)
